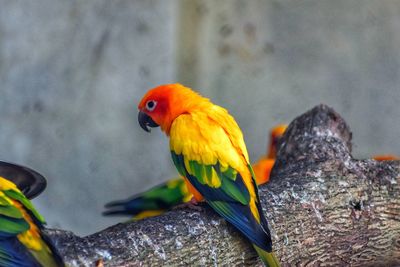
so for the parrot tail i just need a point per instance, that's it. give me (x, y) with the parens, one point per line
(268, 258)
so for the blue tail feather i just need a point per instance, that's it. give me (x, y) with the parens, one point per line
(14, 254)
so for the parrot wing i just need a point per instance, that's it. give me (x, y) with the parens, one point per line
(21, 240)
(209, 155)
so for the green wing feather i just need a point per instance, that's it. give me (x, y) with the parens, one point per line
(18, 196)
(11, 219)
(230, 186)
(231, 199)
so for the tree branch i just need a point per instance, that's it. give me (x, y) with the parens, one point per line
(324, 208)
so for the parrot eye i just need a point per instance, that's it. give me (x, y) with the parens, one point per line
(151, 105)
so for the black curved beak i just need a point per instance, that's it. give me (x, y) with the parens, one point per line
(146, 121)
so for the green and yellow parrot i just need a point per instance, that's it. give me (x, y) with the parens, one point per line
(208, 149)
(153, 202)
(22, 242)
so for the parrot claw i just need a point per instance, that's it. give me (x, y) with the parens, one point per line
(191, 204)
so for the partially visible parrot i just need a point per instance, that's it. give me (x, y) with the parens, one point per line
(152, 202)
(385, 157)
(262, 168)
(208, 149)
(163, 197)
(22, 242)
(274, 140)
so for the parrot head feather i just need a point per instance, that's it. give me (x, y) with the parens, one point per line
(162, 104)
(275, 137)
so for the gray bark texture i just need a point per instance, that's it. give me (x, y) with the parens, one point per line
(324, 208)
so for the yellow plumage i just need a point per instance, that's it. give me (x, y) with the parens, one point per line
(213, 137)
(23, 223)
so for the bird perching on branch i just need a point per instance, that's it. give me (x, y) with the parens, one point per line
(208, 149)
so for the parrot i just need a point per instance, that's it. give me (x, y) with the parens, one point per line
(165, 196)
(209, 152)
(385, 157)
(262, 168)
(274, 140)
(22, 242)
(152, 202)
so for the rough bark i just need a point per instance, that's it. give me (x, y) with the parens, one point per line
(324, 208)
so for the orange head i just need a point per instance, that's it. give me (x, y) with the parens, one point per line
(162, 104)
(276, 135)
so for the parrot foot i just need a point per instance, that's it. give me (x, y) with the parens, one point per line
(191, 204)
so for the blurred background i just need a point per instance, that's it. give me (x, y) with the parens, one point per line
(72, 73)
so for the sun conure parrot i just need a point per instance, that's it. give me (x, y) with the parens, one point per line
(385, 157)
(208, 149)
(22, 242)
(262, 168)
(165, 196)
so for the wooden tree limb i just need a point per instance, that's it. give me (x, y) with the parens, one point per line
(324, 208)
